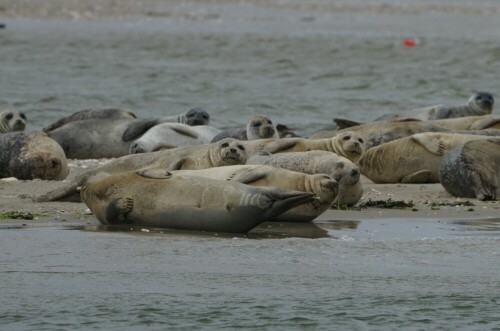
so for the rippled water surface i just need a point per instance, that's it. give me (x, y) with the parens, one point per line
(301, 67)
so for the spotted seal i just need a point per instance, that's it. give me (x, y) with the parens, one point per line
(169, 135)
(160, 199)
(472, 170)
(345, 172)
(258, 127)
(325, 187)
(414, 159)
(30, 155)
(348, 144)
(12, 121)
(225, 152)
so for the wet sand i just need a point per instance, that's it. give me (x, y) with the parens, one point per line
(431, 203)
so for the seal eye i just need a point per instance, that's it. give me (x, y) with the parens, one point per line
(224, 145)
(270, 122)
(339, 165)
(9, 116)
(346, 138)
(23, 116)
(361, 140)
(241, 147)
(257, 124)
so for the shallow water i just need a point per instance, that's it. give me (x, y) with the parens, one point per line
(301, 67)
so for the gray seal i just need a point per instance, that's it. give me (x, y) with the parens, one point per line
(345, 172)
(30, 155)
(225, 152)
(472, 170)
(160, 199)
(93, 113)
(12, 121)
(258, 127)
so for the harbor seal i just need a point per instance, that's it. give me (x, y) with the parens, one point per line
(325, 187)
(160, 199)
(472, 170)
(93, 113)
(376, 133)
(480, 103)
(169, 135)
(30, 155)
(345, 172)
(12, 121)
(414, 159)
(225, 152)
(348, 144)
(258, 127)
(192, 117)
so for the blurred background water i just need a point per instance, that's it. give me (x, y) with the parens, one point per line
(300, 63)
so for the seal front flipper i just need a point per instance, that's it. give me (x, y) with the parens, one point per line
(282, 201)
(422, 176)
(154, 173)
(431, 143)
(280, 145)
(177, 165)
(249, 176)
(486, 123)
(185, 132)
(118, 209)
(137, 129)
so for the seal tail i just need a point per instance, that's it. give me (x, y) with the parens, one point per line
(283, 201)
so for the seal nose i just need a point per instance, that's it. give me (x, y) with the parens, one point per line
(355, 173)
(233, 150)
(135, 148)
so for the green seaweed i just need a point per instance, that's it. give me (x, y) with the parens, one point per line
(19, 215)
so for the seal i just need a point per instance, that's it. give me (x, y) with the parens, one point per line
(170, 135)
(160, 199)
(258, 127)
(225, 152)
(414, 159)
(345, 172)
(12, 121)
(192, 117)
(30, 155)
(480, 103)
(472, 170)
(325, 187)
(348, 144)
(376, 133)
(92, 113)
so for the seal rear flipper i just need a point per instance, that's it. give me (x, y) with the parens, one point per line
(118, 209)
(154, 173)
(163, 146)
(281, 145)
(185, 132)
(248, 176)
(65, 193)
(430, 143)
(344, 123)
(137, 129)
(282, 201)
(404, 119)
(422, 176)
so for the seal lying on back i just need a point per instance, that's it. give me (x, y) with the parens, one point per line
(414, 159)
(338, 167)
(87, 114)
(170, 135)
(11, 121)
(225, 152)
(160, 199)
(472, 170)
(348, 144)
(258, 127)
(31, 155)
(325, 187)
(480, 103)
